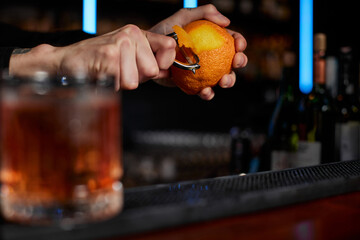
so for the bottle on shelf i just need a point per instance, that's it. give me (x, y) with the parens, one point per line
(282, 132)
(240, 150)
(332, 69)
(316, 114)
(347, 107)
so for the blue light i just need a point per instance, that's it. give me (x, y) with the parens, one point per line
(306, 46)
(190, 3)
(89, 16)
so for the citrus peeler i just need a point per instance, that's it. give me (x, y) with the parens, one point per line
(191, 58)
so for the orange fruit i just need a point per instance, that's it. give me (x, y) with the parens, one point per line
(215, 48)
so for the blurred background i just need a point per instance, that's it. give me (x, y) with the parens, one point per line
(170, 136)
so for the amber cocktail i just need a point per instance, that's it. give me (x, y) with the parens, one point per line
(60, 151)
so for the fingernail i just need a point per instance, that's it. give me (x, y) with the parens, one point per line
(244, 61)
(205, 94)
(241, 61)
(226, 82)
(242, 45)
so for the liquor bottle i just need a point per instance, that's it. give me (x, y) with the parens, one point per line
(282, 133)
(317, 116)
(332, 67)
(240, 150)
(324, 107)
(347, 107)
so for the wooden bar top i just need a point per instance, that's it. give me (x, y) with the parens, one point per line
(336, 217)
(318, 202)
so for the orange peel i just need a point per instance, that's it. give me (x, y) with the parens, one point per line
(215, 48)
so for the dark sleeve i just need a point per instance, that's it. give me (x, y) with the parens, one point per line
(5, 53)
(13, 37)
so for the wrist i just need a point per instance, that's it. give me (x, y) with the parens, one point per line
(25, 62)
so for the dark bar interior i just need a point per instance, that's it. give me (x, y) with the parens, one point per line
(229, 168)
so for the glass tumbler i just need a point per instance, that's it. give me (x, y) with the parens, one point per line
(60, 150)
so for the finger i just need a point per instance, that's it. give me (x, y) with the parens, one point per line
(165, 74)
(212, 14)
(146, 66)
(240, 41)
(112, 70)
(108, 65)
(116, 75)
(129, 77)
(164, 49)
(207, 94)
(240, 60)
(228, 80)
(165, 81)
(209, 12)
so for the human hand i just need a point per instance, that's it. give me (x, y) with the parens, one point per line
(209, 12)
(128, 54)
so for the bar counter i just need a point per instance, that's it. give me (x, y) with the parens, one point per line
(318, 202)
(335, 217)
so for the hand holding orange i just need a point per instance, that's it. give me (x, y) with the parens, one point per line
(215, 48)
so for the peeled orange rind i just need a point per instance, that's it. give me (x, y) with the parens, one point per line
(184, 38)
(215, 48)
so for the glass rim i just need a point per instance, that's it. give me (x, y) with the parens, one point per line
(40, 78)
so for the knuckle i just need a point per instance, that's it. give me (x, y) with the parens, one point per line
(122, 39)
(151, 71)
(132, 29)
(169, 42)
(125, 42)
(210, 8)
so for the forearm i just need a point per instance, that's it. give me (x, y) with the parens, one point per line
(25, 62)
